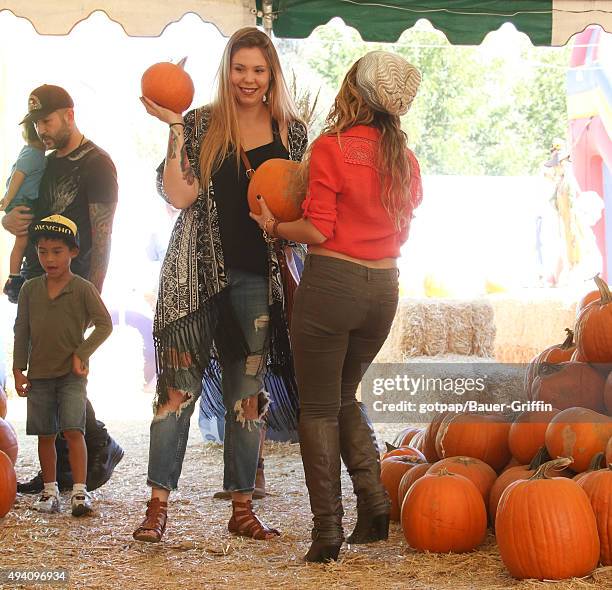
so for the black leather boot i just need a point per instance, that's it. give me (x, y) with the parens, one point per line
(362, 460)
(320, 448)
(101, 462)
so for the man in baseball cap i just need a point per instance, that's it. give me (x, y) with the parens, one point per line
(46, 99)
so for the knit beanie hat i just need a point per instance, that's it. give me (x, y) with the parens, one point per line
(387, 82)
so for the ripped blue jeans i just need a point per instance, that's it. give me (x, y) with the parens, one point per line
(243, 396)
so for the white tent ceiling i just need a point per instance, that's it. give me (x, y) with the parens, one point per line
(137, 17)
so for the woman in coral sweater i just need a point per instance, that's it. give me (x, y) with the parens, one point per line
(362, 187)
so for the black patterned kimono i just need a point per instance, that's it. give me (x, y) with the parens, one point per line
(194, 323)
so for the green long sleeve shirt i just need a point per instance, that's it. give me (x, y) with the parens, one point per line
(49, 331)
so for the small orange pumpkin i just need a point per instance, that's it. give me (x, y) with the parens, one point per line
(558, 353)
(406, 435)
(553, 514)
(275, 181)
(168, 85)
(444, 512)
(8, 484)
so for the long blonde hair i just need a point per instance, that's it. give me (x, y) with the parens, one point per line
(393, 163)
(223, 134)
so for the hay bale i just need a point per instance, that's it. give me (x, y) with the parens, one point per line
(434, 327)
(530, 320)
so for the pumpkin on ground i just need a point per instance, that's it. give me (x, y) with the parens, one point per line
(546, 528)
(275, 181)
(168, 85)
(478, 472)
(391, 472)
(8, 440)
(483, 437)
(444, 512)
(8, 484)
(578, 433)
(598, 487)
(557, 353)
(569, 385)
(594, 327)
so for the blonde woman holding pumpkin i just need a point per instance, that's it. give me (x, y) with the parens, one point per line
(363, 185)
(220, 302)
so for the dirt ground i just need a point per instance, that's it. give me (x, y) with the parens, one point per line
(99, 553)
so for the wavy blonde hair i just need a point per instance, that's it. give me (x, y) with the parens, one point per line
(223, 133)
(393, 164)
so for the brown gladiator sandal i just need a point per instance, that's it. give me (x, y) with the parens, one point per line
(154, 524)
(245, 523)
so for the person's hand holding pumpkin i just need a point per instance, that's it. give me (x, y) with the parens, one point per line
(265, 219)
(161, 113)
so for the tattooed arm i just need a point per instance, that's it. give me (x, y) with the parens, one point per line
(180, 183)
(101, 218)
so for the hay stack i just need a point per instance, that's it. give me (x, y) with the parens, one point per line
(434, 327)
(528, 321)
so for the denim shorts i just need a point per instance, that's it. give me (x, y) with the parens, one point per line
(56, 404)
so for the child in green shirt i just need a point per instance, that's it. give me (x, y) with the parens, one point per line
(53, 312)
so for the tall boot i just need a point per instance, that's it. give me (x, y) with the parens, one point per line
(362, 460)
(320, 448)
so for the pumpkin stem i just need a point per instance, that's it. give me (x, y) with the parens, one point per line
(604, 290)
(181, 64)
(554, 465)
(390, 447)
(539, 458)
(569, 340)
(597, 462)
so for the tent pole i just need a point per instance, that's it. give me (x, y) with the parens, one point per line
(267, 17)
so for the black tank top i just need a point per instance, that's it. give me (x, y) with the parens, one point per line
(243, 244)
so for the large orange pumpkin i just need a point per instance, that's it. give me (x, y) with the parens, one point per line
(526, 434)
(275, 180)
(391, 473)
(578, 433)
(478, 472)
(545, 527)
(594, 327)
(558, 353)
(598, 487)
(444, 512)
(8, 484)
(483, 437)
(568, 385)
(8, 440)
(3, 402)
(168, 85)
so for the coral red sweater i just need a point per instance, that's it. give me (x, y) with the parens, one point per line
(343, 200)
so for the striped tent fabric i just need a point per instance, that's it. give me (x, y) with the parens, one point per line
(464, 22)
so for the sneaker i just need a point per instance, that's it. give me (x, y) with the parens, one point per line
(12, 287)
(47, 503)
(81, 503)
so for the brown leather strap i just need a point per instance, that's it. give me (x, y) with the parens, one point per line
(247, 164)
